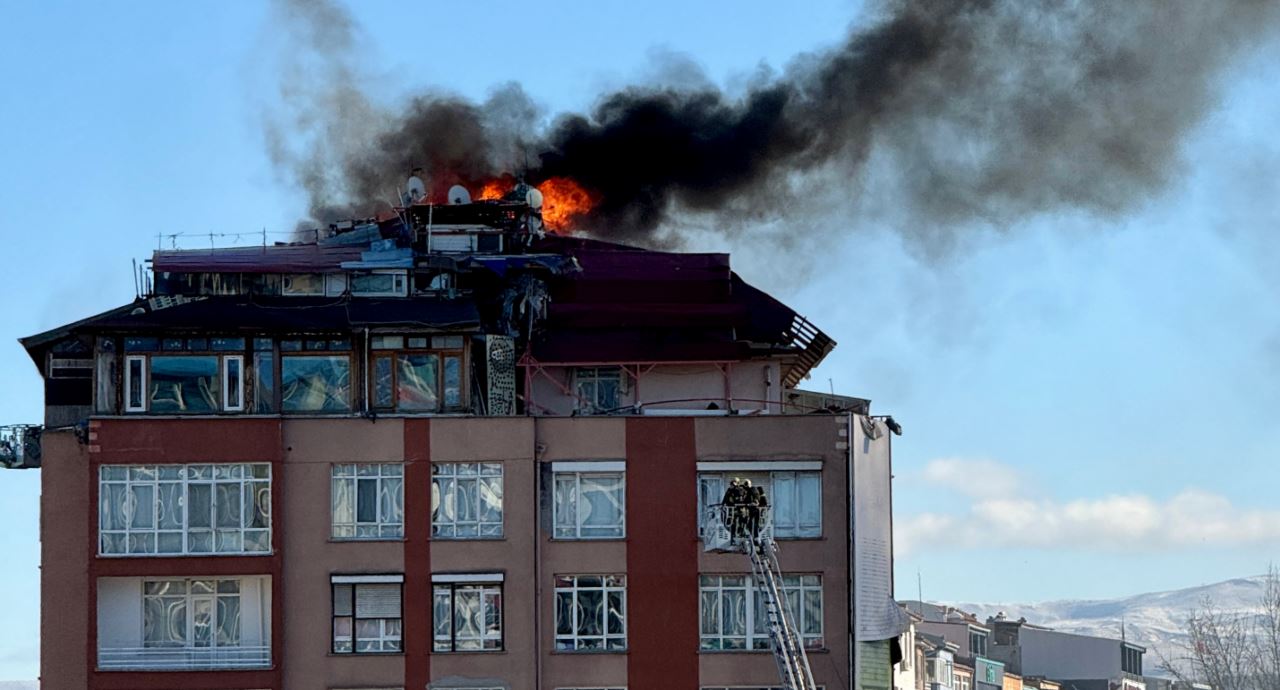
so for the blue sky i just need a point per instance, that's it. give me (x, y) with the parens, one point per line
(1089, 402)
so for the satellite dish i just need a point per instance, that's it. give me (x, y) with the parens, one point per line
(459, 195)
(534, 198)
(414, 189)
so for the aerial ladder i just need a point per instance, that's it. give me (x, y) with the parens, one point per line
(748, 530)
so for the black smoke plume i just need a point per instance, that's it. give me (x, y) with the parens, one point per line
(981, 111)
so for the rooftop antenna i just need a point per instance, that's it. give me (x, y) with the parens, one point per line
(920, 592)
(136, 290)
(832, 385)
(414, 188)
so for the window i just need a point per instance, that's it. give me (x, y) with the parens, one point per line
(417, 373)
(378, 283)
(367, 613)
(939, 671)
(170, 379)
(589, 505)
(977, 643)
(302, 284)
(597, 389)
(184, 509)
(264, 375)
(1131, 660)
(466, 500)
(191, 613)
(467, 613)
(795, 499)
(368, 501)
(733, 616)
(316, 381)
(591, 612)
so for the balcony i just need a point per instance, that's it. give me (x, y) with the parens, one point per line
(183, 658)
(20, 446)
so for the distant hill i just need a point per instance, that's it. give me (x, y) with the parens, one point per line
(19, 685)
(1154, 620)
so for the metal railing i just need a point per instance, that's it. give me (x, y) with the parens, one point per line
(728, 528)
(20, 446)
(183, 658)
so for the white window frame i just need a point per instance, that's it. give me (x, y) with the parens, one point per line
(128, 383)
(755, 637)
(384, 637)
(385, 527)
(228, 385)
(203, 474)
(573, 641)
(190, 599)
(489, 586)
(452, 472)
(721, 479)
(592, 376)
(579, 471)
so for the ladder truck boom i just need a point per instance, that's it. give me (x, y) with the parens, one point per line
(747, 529)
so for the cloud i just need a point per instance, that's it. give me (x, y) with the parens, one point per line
(972, 477)
(1009, 514)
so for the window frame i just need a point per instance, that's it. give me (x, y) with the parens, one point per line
(189, 599)
(189, 476)
(755, 632)
(222, 356)
(352, 376)
(355, 582)
(379, 522)
(442, 353)
(487, 586)
(592, 375)
(609, 584)
(578, 475)
(483, 471)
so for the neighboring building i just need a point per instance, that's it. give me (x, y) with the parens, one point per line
(940, 662)
(444, 450)
(1012, 681)
(1040, 683)
(963, 676)
(908, 673)
(1078, 662)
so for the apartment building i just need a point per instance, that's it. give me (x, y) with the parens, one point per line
(443, 449)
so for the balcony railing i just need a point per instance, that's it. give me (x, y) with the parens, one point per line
(20, 446)
(730, 529)
(183, 658)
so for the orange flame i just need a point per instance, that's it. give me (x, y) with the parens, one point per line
(493, 190)
(563, 202)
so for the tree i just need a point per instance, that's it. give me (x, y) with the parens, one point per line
(1233, 650)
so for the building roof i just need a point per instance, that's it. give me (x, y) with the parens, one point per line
(289, 258)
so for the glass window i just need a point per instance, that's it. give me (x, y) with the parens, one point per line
(589, 505)
(378, 283)
(302, 284)
(191, 613)
(795, 500)
(591, 612)
(368, 501)
(597, 389)
(416, 382)
(467, 616)
(233, 383)
(183, 383)
(135, 384)
(367, 617)
(184, 509)
(466, 500)
(732, 612)
(264, 381)
(315, 383)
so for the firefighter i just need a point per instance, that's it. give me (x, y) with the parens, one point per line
(744, 509)
(757, 503)
(733, 497)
